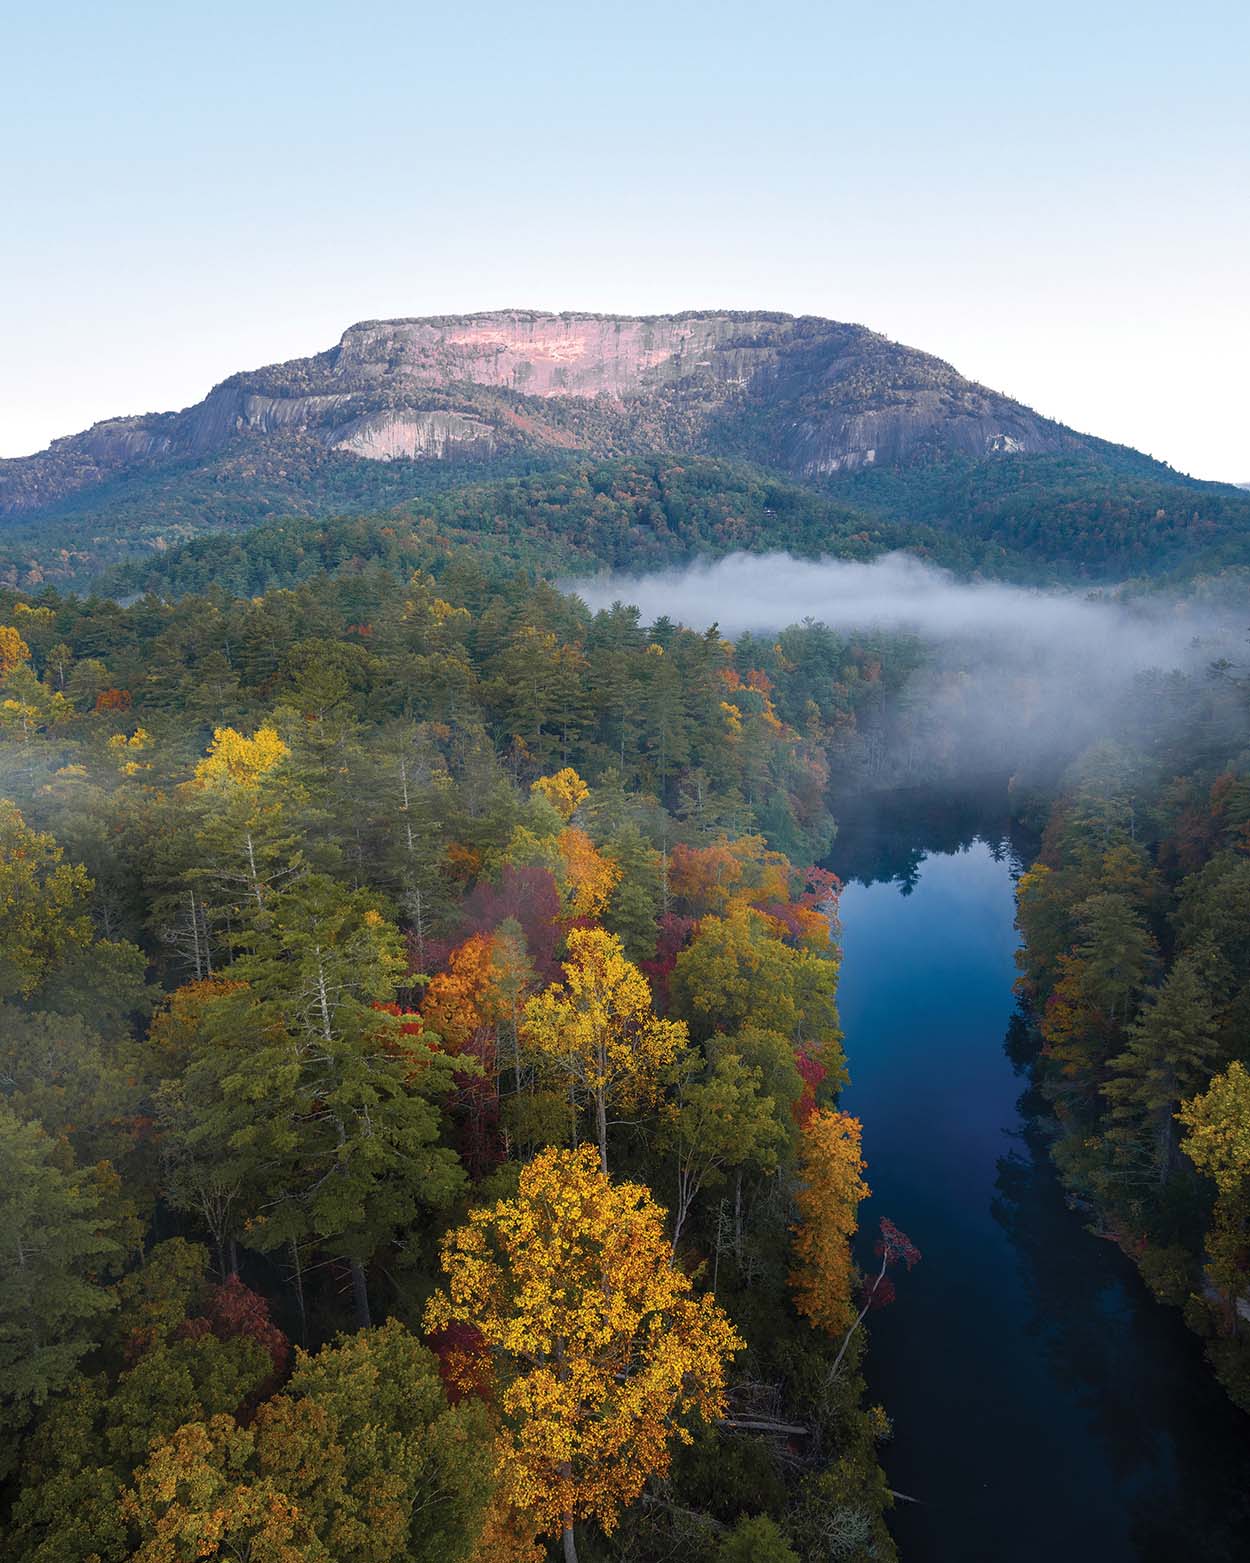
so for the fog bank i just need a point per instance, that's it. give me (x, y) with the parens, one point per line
(766, 592)
(1010, 677)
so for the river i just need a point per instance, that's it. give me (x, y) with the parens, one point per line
(1045, 1407)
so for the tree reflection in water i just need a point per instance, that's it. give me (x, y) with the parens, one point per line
(1178, 1450)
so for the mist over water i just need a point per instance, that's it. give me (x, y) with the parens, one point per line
(1010, 674)
(763, 592)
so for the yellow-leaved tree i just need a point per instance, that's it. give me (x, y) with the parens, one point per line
(248, 839)
(565, 791)
(598, 1029)
(830, 1189)
(232, 757)
(600, 1352)
(13, 650)
(1217, 1141)
(589, 877)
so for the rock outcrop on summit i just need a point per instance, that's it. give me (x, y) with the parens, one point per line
(803, 396)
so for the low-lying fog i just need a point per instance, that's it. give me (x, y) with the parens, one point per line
(1011, 674)
(763, 592)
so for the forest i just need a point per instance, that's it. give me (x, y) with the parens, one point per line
(421, 1057)
(421, 1132)
(1135, 972)
(255, 517)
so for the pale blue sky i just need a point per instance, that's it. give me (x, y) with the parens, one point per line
(1056, 199)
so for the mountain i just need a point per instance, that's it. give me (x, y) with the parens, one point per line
(402, 410)
(805, 396)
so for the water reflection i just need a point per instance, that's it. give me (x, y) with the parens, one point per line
(1045, 1406)
(885, 837)
(1177, 1449)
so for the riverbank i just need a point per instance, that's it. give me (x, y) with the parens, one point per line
(1043, 1403)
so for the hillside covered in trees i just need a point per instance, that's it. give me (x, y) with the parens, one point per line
(1136, 972)
(420, 1133)
(1066, 519)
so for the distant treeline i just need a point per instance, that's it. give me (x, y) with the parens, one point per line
(1030, 519)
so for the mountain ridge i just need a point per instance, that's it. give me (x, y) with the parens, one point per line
(399, 411)
(800, 394)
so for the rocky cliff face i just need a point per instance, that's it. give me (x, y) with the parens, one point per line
(807, 396)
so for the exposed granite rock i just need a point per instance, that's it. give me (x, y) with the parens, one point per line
(387, 436)
(810, 397)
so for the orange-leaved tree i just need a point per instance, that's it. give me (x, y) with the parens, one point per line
(600, 1352)
(598, 1028)
(468, 1006)
(589, 877)
(830, 1189)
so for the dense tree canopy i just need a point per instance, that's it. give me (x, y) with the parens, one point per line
(329, 920)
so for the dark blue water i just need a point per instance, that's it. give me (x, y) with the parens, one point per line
(1044, 1406)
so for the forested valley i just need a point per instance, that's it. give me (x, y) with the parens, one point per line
(420, 1134)
(625, 784)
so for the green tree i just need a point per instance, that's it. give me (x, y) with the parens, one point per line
(61, 1073)
(161, 1370)
(717, 1119)
(1116, 951)
(637, 897)
(318, 1105)
(1172, 1050)
(737, 973)
(756, 1539)
(42, 906)
(55, 1246)
(405, 1448)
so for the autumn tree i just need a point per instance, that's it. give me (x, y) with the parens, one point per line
(527, 897)
(877, 1291)
(597, 1029)
(468, 1006)
(589, 877)
(565, 791)
(600, 1350)
(247, 847)
(1217, 1141)
(217, 1490)
(361, 1457)
(585, 876)
(13, 650)
(238, 761)
(830, 1189)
